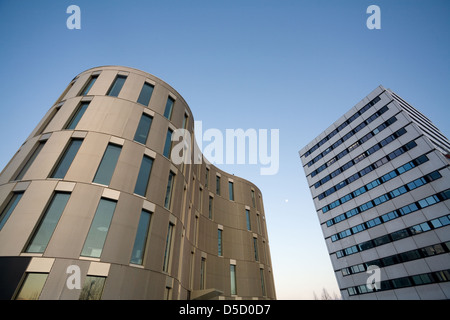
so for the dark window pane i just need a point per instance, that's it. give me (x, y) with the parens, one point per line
(168, 144)
(30, 161)
(32, 286)
(143, 176)
(146, 94)
(108, 164)
(169, 108)
(48, 223)
(9, 208)
(141, 238)
(92, 288)
(143, 129)
(66, 159)
(89, 85)
(117, 86)
(77, 116)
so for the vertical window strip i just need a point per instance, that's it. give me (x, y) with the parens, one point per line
(66, 160)
(30, 161)
(8, 210)
(108, 164)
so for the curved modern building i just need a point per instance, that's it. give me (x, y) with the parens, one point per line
(92, 207)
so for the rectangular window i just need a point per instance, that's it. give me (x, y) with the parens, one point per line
(168, 248)
(12, 203)
(207, 178)
(117, 86)
(30, 161)
(137, 256)
(247, 217)
(168, 144)
(169, 108)
(233, 279)
(77, 116)
(255, 248)
(88, 85)
(253, 198)
(108, 164)
(210, 207)
(146, 94)
(92, 288)
(47, 225)
(32, 286)
(263, 287)
(168, 197)
(67, 158)
(96, 237)
(202, 273)
(143, 176)
(218, 185)
(231, 190)
(143, 129)
(185, 121)
(219, 242)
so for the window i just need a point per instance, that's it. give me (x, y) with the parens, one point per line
(233, 279)
(92, 288)
(77, 116)
(253, 198)
(32, 286)
(207, 178)
(96, 237)
(231, 190)
(219, 242)
(30, 161)
(143, 129)
(210, 207)
(143, 176)
(116, 86)
(263, 287)
(255, 248)
(88, 85)
(218, 185)
(67, 158)
(168, 144)
(202, 273)
(247, 216)
(185, 121)
(168, 248)
(146, 94)
(169, 188)
(169, 108)
(108, 164)
(47, 225)
(12, 203)
(140, 240)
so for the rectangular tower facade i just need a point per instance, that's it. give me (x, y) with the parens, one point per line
(380, 180)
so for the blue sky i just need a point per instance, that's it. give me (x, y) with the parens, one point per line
(291, 65)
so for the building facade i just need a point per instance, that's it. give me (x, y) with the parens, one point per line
(93, 207)
(380, 180)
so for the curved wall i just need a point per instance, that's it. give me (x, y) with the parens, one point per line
(77, 195)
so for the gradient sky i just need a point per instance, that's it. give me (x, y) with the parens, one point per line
(291, 65)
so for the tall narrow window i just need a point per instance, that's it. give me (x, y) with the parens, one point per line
(96, 237)
(143, 176)
(168, 144)
(30, 161)
(253, 198)
(169, 108)
(202, 273)
(92, 288)
(12, 203)
(88, 85)
(117, 86)
(32, 286)
(47, 225)
(219, 242)
(77, 116)
(169, 188)
(231, 190)
(143, 129)
(210, 207)
(185, 121)
(67, 158)
(146, 94)
(207, 178)
(258, 222)
(108, 164)
(168, 248)
(247, 217)
(218, 185)
(233, 279)
(263, 285)
(137, 256)
(255, 248)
